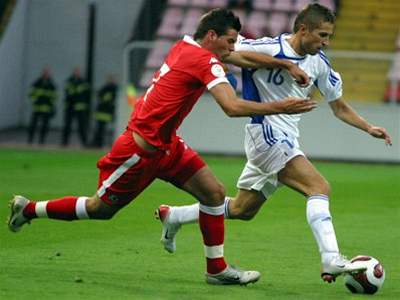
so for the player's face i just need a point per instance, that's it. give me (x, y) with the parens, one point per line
(224, 44)
(315, 40)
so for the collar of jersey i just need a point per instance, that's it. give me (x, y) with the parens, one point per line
(283, 39)
(188, 39)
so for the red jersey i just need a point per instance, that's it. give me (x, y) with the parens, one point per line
(187, 71)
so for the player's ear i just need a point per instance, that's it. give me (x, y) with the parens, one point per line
(212, 35)
(303, 29)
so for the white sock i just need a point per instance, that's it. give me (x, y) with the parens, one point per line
(80, 208)
(226, 208)
(188, 214)
(320, 220)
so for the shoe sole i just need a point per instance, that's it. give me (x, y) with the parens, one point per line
(15, 210)
(214, 281)
(11, 204)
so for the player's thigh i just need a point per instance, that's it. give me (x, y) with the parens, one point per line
(185, 169)
(125, 171)
(246, 204)
(205, 186)
(301, 175)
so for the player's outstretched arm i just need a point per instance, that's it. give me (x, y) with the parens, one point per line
(233, 106)
(248, 59)
(347, 114)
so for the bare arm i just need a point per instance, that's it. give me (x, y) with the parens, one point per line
(233, 106)
(248, 59)
(347, 114)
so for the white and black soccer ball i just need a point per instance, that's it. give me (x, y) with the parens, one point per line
(369, 281)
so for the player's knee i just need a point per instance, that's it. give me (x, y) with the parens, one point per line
(319, 186)
(97, 209)
(325, 187)
(217, 195)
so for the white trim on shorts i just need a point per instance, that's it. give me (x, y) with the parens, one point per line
(117, 174)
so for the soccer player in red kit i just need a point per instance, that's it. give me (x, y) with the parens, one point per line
(150, 148)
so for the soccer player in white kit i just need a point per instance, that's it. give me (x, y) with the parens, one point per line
(272, 149)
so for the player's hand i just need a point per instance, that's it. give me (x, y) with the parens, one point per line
(380, 133)
(299, 75)
(293, 105)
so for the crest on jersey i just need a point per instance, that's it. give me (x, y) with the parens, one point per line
(217, 70)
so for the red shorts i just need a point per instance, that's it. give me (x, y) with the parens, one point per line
(128, 169)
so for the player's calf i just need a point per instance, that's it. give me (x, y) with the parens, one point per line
(67, 208)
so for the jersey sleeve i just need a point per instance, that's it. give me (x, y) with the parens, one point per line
(210, 72)
(262, 45)
(328, 81)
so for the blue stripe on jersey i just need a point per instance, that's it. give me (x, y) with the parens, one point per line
(324, 58)
(322, 53)
(250, 92)
(331, 75)
(282, 55)
(332, 78)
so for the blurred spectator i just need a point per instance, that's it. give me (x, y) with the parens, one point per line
(43, 96)
(131, 95)
(242, 8)
(105, 110)
(246, 5)
(392, 93)
(77, 98)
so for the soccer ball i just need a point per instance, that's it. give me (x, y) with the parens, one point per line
(369, 281)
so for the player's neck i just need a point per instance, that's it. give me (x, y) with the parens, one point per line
(205, 44)
(295, 42)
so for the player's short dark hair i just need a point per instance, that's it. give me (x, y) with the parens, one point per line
(312, 16)
(220, 20)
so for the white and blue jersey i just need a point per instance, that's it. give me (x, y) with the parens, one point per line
(267, 85)
(271, 141)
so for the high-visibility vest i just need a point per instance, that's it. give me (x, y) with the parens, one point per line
(131, 95)
(77, 94)
(43, 95)
(106, 103)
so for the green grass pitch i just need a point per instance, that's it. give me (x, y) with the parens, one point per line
(123, 259)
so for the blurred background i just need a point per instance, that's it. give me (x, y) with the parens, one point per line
(115, 46)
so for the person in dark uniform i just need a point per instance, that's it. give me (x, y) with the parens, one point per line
(43, 95)
(77, 101)
(105, 110)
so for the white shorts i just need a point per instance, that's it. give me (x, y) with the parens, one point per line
(267, 150)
